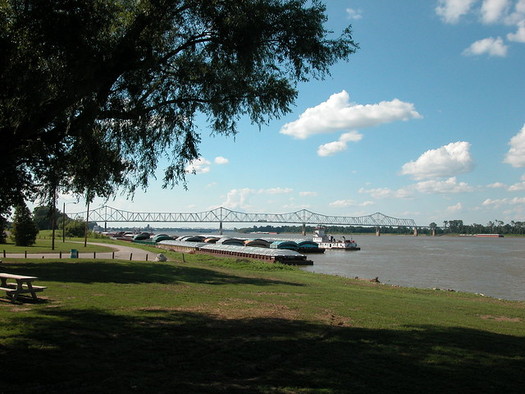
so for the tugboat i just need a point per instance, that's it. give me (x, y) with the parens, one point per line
(329, 242)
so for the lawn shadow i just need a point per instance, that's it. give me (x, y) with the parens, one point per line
(129, 272)
(165, 351)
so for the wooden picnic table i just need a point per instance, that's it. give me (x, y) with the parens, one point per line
(22, 285)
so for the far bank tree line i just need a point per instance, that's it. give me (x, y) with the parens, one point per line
(25, 226)
(449, 227)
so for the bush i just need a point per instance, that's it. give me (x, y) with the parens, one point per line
(24, 230)
(76, 228)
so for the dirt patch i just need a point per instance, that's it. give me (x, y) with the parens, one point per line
(235, 309)
(332, 319)
(501, 318)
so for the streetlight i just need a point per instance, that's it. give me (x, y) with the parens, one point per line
(64, 220)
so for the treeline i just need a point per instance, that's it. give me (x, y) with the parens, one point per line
(449, 227)
(26, 225)
(330, 230)
(492, 227)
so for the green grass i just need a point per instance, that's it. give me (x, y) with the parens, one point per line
(44, 244)
(226, 325)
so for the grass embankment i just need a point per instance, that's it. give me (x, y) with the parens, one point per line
(224, 325)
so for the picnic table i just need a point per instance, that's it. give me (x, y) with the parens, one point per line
(22, 285)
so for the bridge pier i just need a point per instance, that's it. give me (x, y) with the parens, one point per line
(304, 229)
(378, 231)
(433, 232)
(220, 228)
(416, 232)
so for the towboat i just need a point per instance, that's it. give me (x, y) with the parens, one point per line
(329, 242)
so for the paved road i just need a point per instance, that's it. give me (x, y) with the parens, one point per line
(119, 252)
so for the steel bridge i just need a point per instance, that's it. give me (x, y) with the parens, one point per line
(224, 215)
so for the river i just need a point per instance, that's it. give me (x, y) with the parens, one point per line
(491, 266)
(494, 267)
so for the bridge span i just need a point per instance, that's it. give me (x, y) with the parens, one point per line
(224, 215)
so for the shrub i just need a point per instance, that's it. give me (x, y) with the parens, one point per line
(24, 230)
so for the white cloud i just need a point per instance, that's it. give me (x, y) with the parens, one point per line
(517, 187)
(221, 160)
(450, 185)
(518, 15)
(516, 154)
(350, 203)
(238, 198)
(198, 166)
(449, 160)
(455, 208)
(452, 10)
(354, 14)
(341, 145)
(507, 12)
(384, 192)
(276, 190)
(497, 185)
(519, 36)
(504, 201)
(493, 10)
(337, 113)
(490, 46)
(308, 194)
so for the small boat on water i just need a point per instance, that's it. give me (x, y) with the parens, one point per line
(329, 242)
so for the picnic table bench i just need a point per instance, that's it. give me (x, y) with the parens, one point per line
(22, 285)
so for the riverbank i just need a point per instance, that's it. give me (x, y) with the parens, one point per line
(232, 325)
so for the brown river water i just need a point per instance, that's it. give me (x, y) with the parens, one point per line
(494, 267)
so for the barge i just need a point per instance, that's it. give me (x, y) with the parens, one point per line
(283, 256)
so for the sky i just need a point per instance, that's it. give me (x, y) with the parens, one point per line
(425, 121)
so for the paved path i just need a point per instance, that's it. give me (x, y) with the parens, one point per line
(119, 252)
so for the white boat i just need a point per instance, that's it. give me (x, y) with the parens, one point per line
(329, 242)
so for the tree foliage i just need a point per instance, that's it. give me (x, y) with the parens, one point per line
(3, 227)
(95, 92)
(42, 216)
(24, 229)
(76, 228)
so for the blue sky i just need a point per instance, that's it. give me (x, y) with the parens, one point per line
(426, 121)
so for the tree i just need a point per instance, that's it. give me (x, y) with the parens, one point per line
(3, 225)
(76, 228)
(43, 217)
(95, 92)
(24, 229)
(455, 226)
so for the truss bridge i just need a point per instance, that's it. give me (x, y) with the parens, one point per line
(224, 215)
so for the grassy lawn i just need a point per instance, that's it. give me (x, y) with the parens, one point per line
(225, 325)
(44, 243)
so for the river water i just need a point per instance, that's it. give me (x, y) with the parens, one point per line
(494, 267)
(491, 266)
